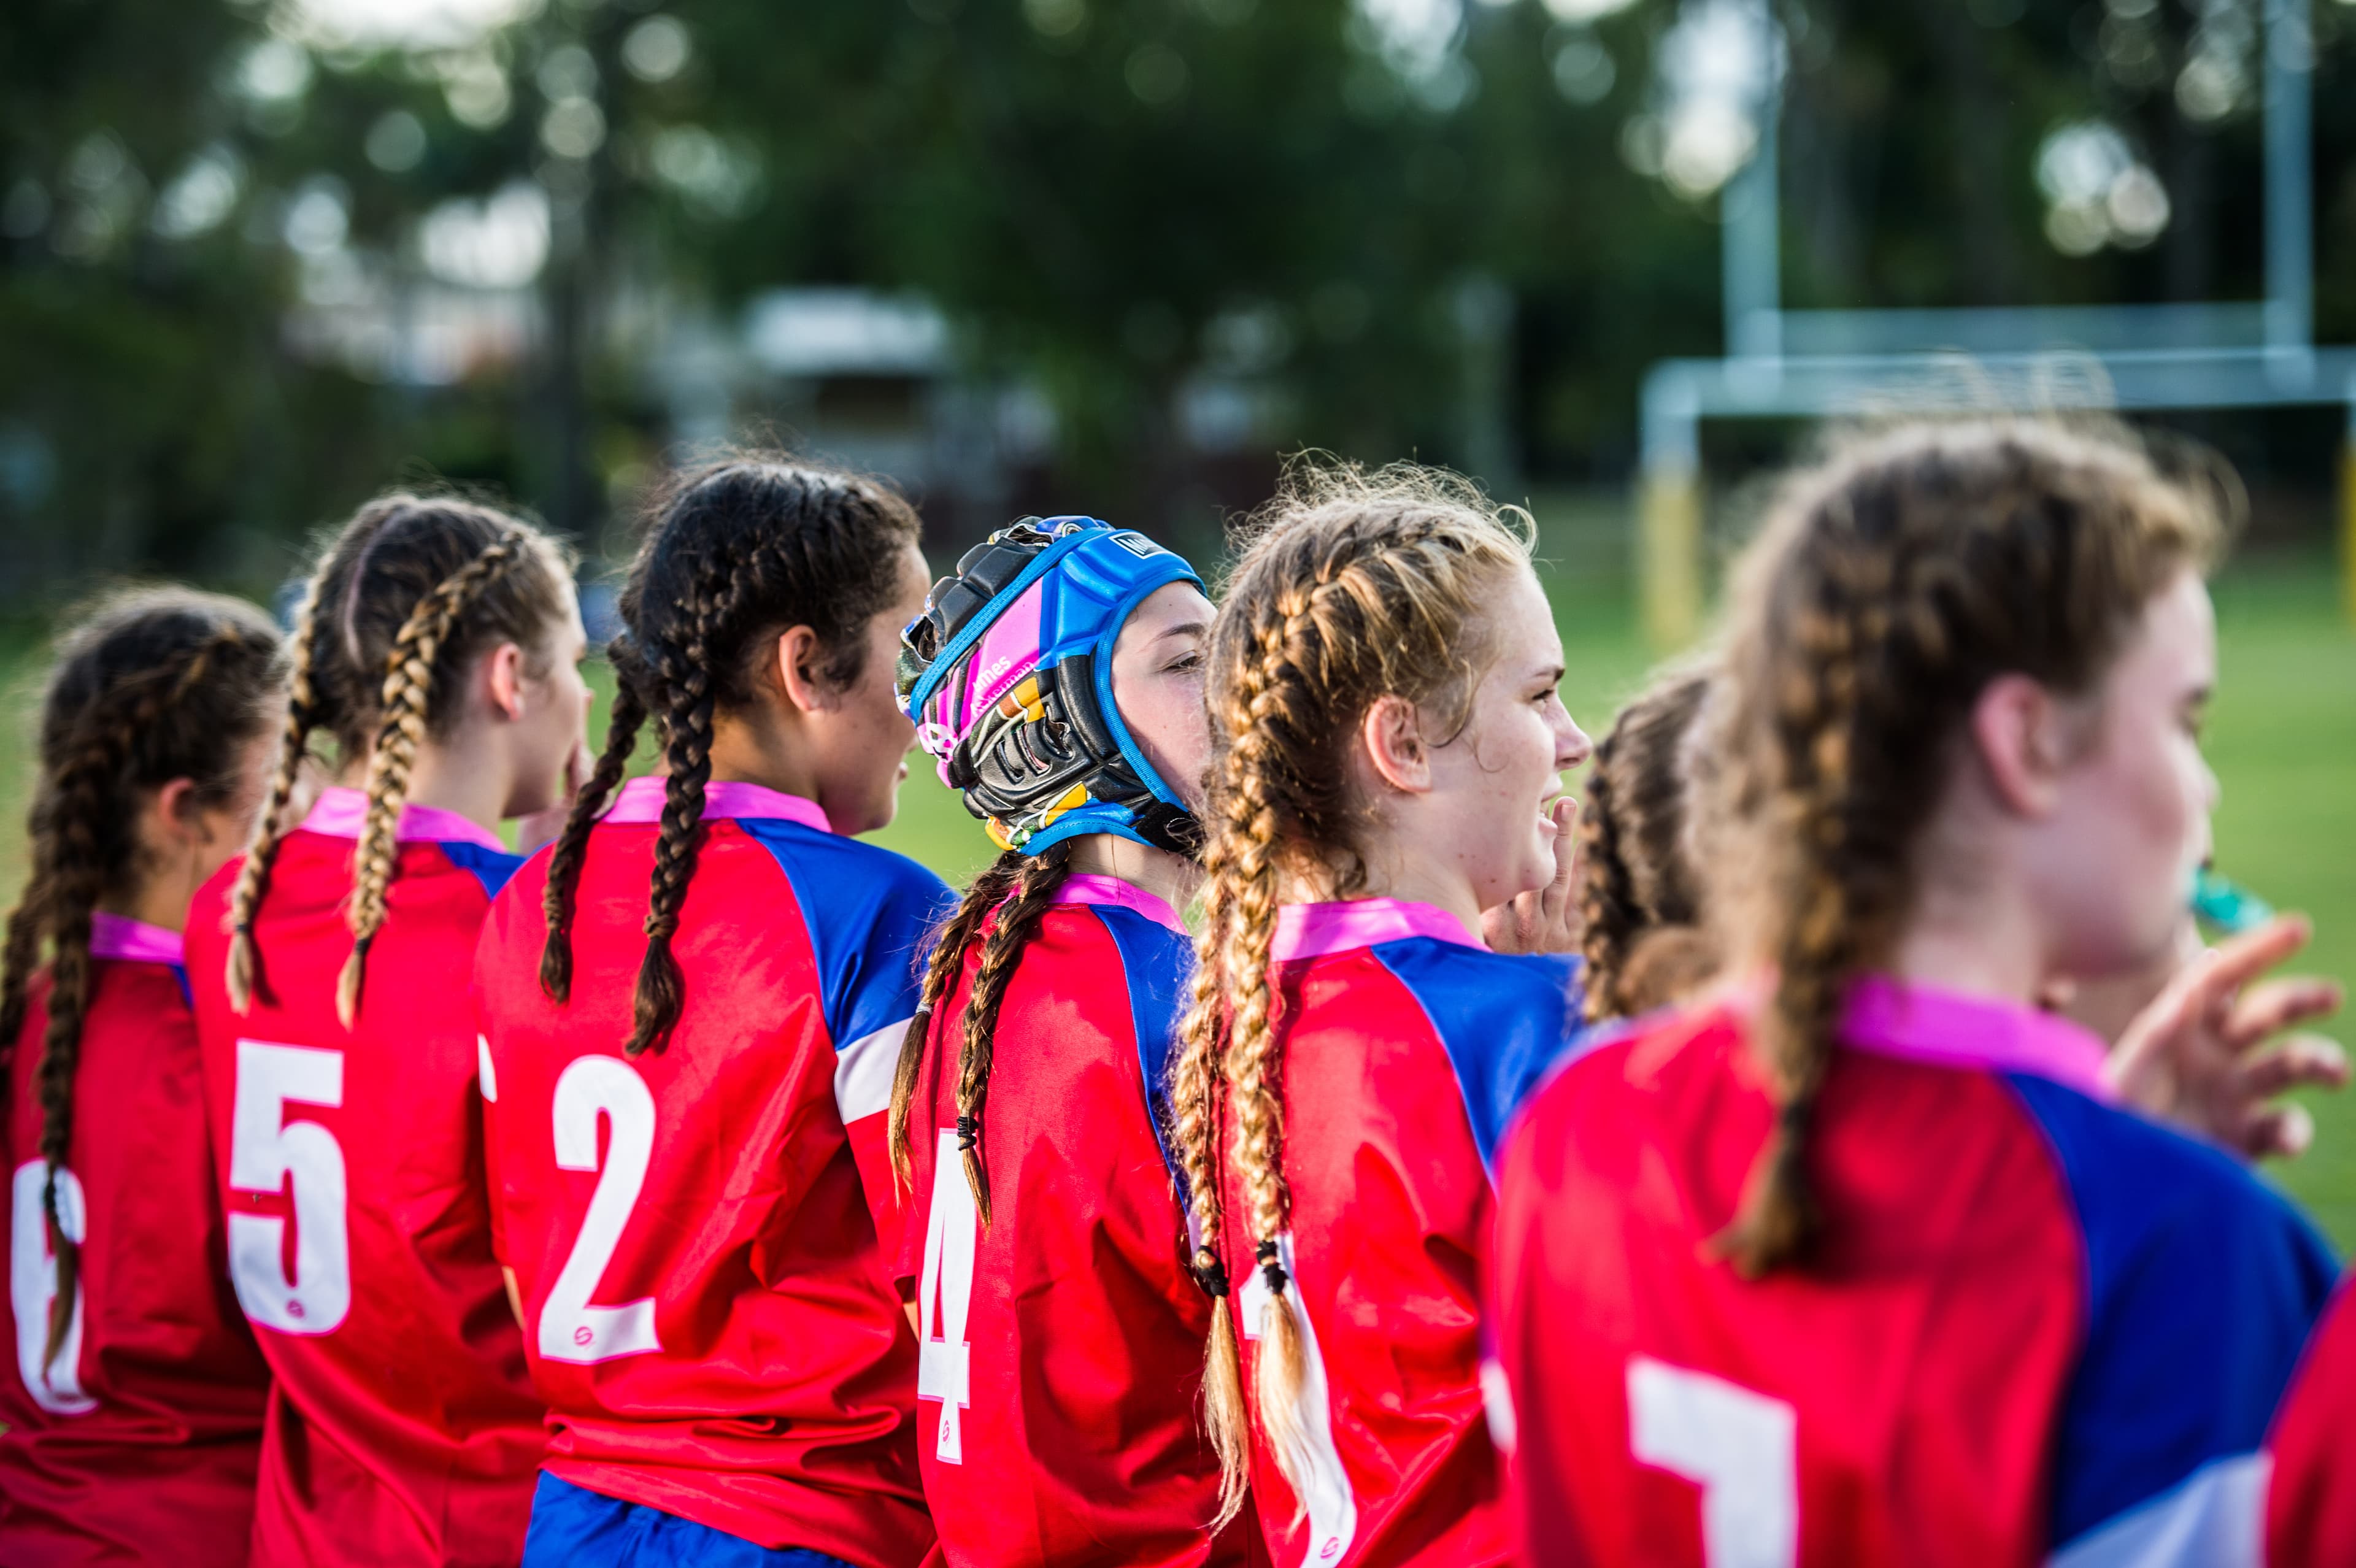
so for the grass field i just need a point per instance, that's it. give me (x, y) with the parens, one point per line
(2282, 740)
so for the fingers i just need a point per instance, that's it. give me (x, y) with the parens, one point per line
(2244, 958)
(2271, 1006)
(2277, 1131)
(2304, 1061)
(1557, 894)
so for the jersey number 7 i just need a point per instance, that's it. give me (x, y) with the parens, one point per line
(571, 1329)
(1738, 1447)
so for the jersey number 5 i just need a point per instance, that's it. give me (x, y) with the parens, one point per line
(264, 1150)
(944, 1359)
(1738, 1447)
(570, 1328)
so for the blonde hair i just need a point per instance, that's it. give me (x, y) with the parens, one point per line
(1352, 586)
(404, 597)
(1890, 586)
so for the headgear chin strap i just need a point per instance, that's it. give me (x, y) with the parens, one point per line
(1007, 674)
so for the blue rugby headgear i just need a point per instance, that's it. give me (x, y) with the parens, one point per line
(1007, 674)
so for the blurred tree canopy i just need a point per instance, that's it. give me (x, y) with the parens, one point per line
(258, 259)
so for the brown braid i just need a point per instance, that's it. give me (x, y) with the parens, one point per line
(740, 551)
(253, 875)
(941, 971)
(364, 673)
(1890, 588)
(1635, 877)
(1009, 932)
(565, 862)
(409, 679)
(152, 687)
(1357, 587)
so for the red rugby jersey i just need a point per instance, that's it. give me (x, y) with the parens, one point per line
(2311, 1499)
(695, 1230)
(138, 1443)
(2039, 1329)
(1405, 1046)
(402, 1427)
(1059, 1416)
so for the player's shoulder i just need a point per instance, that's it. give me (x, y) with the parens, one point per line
(847, 880)
(1629, 1073)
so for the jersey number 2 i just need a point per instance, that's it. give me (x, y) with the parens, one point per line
(944, 1359)
(1738, 1447)
(33, 1285)
(570, 1328)
(264, 1150)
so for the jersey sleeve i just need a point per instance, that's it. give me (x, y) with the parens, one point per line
(1507, 1021)
(870, 915)
(2311, 1496)
(2201, 1286)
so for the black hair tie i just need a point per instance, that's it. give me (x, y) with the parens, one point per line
(968, 1130)
(1270, 1269)
(1211, 1274)
(1793, 1117)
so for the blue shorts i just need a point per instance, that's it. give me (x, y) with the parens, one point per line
(574, 1526)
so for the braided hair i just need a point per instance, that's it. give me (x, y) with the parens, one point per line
(1637, 886)
(153, 686)
(1003, 909)
(735, 552)
(404, 599)
(1888, 588)
(1354, 587)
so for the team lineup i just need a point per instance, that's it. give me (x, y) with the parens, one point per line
(1314, 1140)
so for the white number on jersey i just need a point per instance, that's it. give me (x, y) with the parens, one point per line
(1333, 1507)
(570, 1328)
(1738, 1447)
(33, 1285)
(944, 1359)
(264, 1148)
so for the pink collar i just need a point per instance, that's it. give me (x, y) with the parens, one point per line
(341, 812)
(1088, 888)
(641, 800)
(132, 941)
(1311, 930)
(1950, 1029)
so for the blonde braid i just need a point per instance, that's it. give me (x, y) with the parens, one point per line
(941, 972)
(253, 875)
(408, 682)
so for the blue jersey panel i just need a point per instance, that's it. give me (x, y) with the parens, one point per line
(868, 911)
(1157, 962)
(1506, 1019)
(491, 867)
(2202, 1284)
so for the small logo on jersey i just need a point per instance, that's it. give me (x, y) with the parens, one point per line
(294, 1308)
(1332, 1549)
(583, 1334)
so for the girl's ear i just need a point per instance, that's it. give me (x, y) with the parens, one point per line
(1392, 734)
(2023, 736)
(800, 659)
(503, 676)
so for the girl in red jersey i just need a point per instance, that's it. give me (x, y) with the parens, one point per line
(438, 642)
(1387, 735)
(134, 1417)
(1058, 678)
(691, 1011)
(1861, 1262)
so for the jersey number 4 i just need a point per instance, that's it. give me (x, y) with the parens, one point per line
(1738, 1447)
(944, 1359)
(265, 1147)
(571, 1329)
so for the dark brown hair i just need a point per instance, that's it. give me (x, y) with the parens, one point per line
(151, 686)
(737, 551)
(405, 597)
(1890, 586)
(1018, 887)
(1637, 884)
